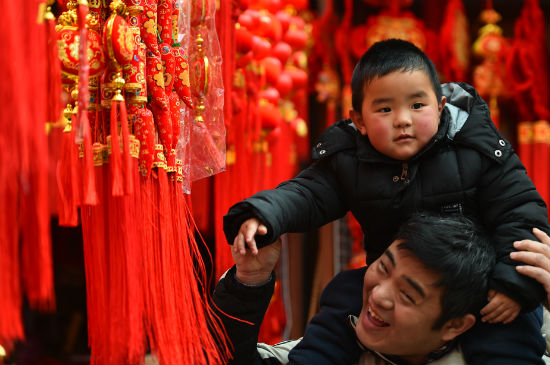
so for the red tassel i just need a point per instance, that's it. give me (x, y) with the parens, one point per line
(82, 126)
(116, 159)
(213, 338)
(53, 79)
(128, 171)
(11, 323)
(68, 194)
(89, 196)
(94, 223)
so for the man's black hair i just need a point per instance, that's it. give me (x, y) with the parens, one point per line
(456, 249)
(385, 57)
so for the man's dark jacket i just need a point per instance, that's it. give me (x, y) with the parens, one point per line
(467, 168)
(242, 308)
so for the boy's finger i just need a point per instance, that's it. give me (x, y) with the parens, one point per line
(262, 229)
(491, 316)
(502, 317)
(510, 318)
(253, 247)
(250, 230)
(491, 307)
(239, 244)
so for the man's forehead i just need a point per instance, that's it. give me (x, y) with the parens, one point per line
(410, 266)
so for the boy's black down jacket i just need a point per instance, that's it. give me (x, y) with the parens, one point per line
(467, 168)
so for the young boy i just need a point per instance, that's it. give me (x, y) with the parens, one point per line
(411, 145)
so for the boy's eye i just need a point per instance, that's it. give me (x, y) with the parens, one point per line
(384, 110)
(417, 105)
(383, 267)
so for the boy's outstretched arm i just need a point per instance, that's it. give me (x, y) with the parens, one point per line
(310, 200)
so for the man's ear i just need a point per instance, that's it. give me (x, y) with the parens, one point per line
(357, 119)
(457, 326)
(442, 105)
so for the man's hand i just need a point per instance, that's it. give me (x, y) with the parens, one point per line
(255, 269)
(245, 236)
(536, 256)
(501, 308)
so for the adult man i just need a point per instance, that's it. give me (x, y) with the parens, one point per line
(423, 292)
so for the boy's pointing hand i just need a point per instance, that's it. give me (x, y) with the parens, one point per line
(245, 237)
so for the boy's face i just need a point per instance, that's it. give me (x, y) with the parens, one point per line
(400, 113)
(400, 306)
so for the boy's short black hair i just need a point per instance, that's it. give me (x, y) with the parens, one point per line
(385, 57)
(456, 249)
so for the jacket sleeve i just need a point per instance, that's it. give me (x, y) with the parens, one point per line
(241, 309)
(329, 339)
(308, 201)
(511, 207)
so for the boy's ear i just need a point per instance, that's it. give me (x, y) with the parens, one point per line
(442, 105)
(357, 119)
(457, 326)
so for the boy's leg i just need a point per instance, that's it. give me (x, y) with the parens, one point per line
(519, 342)
(329, 339)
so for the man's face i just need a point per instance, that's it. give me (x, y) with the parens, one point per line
(400, 306)
(400, 113)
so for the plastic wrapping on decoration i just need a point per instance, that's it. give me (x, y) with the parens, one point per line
(207, 130)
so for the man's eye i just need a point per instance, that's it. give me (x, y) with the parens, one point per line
(384, 110)
(407, 297)
(383, 267)
(417, 105)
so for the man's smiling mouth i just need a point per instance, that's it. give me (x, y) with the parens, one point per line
(375, 319)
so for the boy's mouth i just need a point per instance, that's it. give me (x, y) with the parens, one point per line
(403, 137)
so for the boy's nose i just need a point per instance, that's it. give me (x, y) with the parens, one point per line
(402, 120)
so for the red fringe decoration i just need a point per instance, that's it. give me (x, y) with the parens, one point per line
(53, 79)
(68, 194)
(24, 213)
(115, 158)
(95, 243)
(128, 180)
(11, 324)
(83, 133)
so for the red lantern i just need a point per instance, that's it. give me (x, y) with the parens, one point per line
(118, 40)
(296, 38)
(299, 78)
(243, 39)
(282, 51)
(260, 47)
(67, 39)
(284, 84)
(271, 94)
(273, 69)
(270, 115)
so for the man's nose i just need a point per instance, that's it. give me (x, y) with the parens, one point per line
(382, 296)
(402, 119)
